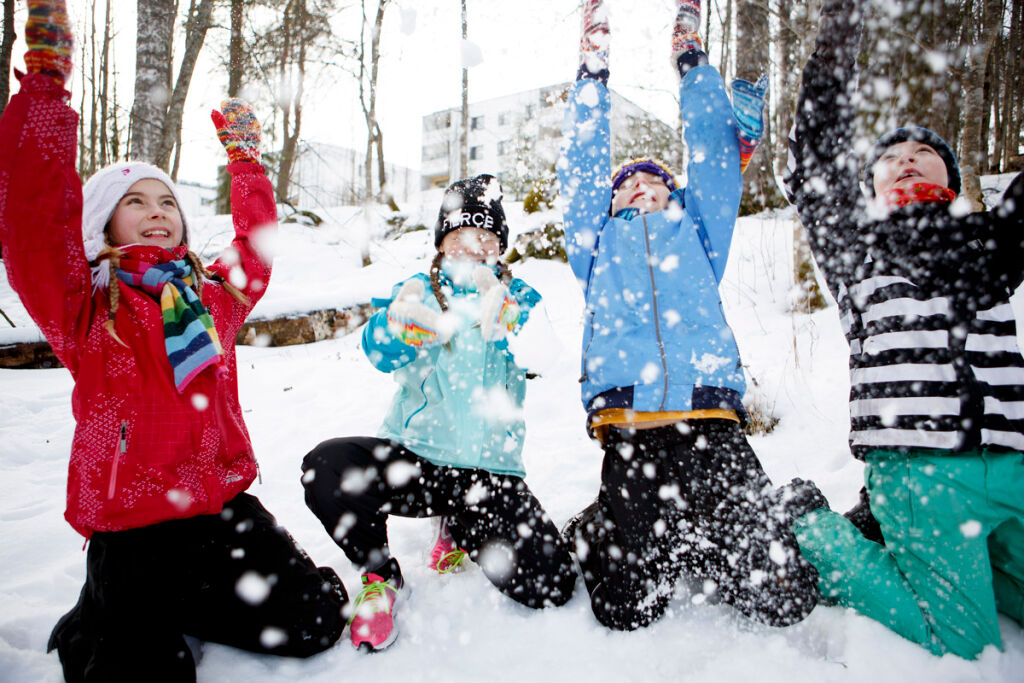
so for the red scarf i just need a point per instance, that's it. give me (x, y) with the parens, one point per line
(919, 193)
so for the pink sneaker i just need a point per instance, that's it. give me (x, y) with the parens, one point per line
(446, 557)
(372, 625)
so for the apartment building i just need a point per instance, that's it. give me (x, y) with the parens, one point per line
(507, 132)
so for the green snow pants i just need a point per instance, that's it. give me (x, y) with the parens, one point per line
(953, 554)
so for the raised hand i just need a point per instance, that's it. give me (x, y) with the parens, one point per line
(238, 129)
(686, 31)
(594, 41)
(48, 39)
(748, 108)
(499, 311)
(413, 322)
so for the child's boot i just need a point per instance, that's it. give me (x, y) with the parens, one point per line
(446, 556)
(372, 626)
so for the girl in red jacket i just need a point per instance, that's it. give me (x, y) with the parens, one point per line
(161, 457)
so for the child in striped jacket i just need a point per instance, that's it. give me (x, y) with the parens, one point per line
(937, 378)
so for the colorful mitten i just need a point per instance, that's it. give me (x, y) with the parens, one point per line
(686, 32)
(499, 311)
(748, 107)
(594, 42)
(413, 322)
(48, 39)
(238, 129)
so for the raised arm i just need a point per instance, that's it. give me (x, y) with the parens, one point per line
(247, 263)
(823, 170)
(584, 167)
(40, 192)
(713, 180)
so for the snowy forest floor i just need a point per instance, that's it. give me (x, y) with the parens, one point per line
(458, 626)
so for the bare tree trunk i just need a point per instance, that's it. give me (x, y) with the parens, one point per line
(154, 53)
(236, 69)
(195, 33)
(236, 50)
(464, 134)
(89, 165)
(727, 38)
(105, 86)
(293, 110)
(1013, 88)
(6, 47)
(368, 94)
(972, 151)
(752, 59)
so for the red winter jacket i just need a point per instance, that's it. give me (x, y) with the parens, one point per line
(142, 452)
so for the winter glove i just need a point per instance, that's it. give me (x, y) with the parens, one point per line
(747, 108)
(48, 39)
(499, 311)
(238, 129)
(413, 322)
(594, 42)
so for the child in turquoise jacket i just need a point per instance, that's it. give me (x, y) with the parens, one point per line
(451, 443)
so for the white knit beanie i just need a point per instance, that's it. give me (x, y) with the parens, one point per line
(100, 196)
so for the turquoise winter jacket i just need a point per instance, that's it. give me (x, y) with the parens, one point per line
(655, 336)
(458, 404)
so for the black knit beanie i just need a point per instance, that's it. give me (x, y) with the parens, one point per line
(472, 203)
(917, 134)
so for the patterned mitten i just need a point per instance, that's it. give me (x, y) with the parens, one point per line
(499, 311)
(594, 42)
(687, 49)
(413, 322)
(748, 107)
(686, 32)
(238, 129)
(48, 39)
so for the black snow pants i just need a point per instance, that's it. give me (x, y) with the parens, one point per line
(353, 484)
(691, 500)
(235, 578)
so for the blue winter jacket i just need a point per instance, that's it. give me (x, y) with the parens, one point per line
(655, 337)
(458, 404)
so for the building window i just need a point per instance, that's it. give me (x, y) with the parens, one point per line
(506, 147)
(440, 120)
(476, 123)
(476, 153)
(431, 152)
(504, 118)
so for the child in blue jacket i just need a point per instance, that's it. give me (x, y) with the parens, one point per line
(682, 492)
(451, 443)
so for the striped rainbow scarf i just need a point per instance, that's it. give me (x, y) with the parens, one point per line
(190, 338)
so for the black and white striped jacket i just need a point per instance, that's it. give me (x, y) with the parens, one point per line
(923, 292)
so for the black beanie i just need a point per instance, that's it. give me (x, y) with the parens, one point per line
(472, 203)
(917, 134)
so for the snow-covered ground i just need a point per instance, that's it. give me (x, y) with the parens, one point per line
(458, 626)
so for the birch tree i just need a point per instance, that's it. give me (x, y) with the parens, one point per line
(6, 48)
(157, 109)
